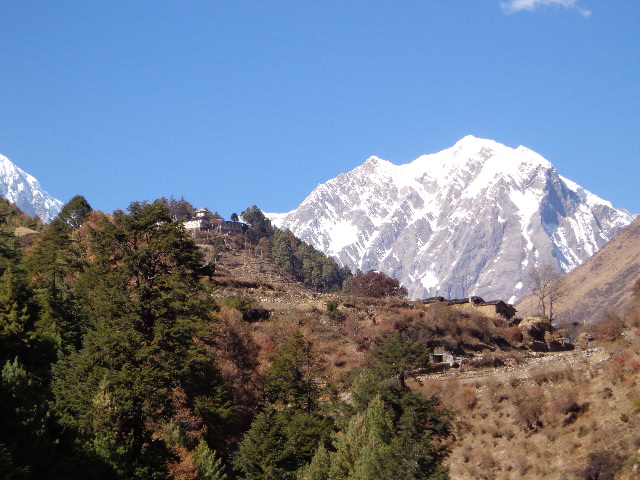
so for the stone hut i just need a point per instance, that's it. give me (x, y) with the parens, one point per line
(440, 356)
(430, 300)
(494, 308)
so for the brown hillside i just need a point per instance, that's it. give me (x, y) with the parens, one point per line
(241, 268)
(562, 416)
(601, 284)
(345, 337)
(519, 414)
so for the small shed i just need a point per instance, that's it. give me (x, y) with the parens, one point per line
(440, 355)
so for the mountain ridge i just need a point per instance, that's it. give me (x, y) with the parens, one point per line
(469, 220)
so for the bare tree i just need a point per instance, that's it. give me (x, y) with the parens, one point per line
(546, 283)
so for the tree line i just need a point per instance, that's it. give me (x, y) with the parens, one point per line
(296, 257)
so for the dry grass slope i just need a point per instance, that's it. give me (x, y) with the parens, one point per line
(561, 416)
(575, 417)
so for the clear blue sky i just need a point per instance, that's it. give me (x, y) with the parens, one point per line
(235, 103)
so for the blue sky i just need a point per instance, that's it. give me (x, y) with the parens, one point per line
(235, 103)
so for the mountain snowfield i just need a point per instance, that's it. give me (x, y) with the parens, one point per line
(25, 191)
(470, 220)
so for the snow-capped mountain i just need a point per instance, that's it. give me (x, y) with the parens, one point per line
(470, 220)
(22, 189)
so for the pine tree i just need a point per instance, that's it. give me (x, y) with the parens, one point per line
(290, 379)
(401, 357)
(16, 316)
(392, 434)
(60, 254)
(8, 240)
(421, 424)
(281, 251)
(24, 422)
(279, 443)
(318, 468)
(208, 463)
(74, 212)
(178, 209)
(57, 323)
(364, 447)
(260, 226)
(262, 454)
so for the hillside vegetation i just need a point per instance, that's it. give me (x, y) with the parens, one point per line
(132, 349)
(567, 416)
(123, 357)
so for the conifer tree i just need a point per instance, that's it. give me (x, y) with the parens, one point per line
(24, 424)
(261, 454)
(141, 298)
(208, 463)
(290, 380)
(56, 323)
(281, 251)
(279, 443)
(8, 251)
(16, 317)
(400, 356)
(74, 212)
(318, 468)
(364, 445)
(178, 209)
(393, 434)
(260, 225)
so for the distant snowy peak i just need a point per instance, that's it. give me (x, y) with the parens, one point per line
(471, 219)
(25, 191)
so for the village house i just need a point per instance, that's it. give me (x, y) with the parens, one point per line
(493, 308)
(205, 221)
(232, 228)
(497, 308)
(201, 221)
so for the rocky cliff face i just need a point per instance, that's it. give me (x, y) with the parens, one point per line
(470, 220)
(24, 190)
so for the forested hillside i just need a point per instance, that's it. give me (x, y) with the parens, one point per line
(117, 359)
(129, 351)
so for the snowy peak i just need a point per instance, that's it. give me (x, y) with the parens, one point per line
(25, 191)
(471, 219)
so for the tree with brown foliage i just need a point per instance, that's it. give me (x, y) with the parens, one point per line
(377, 285)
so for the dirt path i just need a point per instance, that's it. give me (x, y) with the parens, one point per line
(523, 369)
